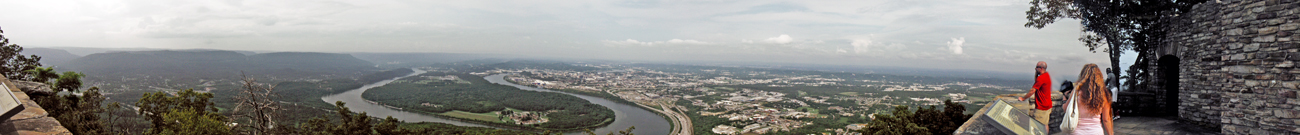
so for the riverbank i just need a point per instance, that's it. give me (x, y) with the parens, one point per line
(512, 126)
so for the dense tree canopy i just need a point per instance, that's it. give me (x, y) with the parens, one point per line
(924, 121)
(77, 113)
(68, 81)
(1117, 25)
(156, 106)
(42, 75)
(13, 63)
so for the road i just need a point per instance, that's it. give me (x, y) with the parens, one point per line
(684, 123)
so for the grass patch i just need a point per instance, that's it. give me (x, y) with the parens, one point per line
(810, 109)
(475, 116)
(725, 88)
(849, 93)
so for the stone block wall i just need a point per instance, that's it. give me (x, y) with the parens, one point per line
(33, 120)
(1238, 65)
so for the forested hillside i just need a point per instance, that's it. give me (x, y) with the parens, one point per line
(213, 63)
(51, 56)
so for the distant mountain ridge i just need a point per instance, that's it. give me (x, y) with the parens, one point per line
(419, 59)
(215, 63)
(50, 56)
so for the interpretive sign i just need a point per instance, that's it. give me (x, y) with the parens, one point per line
(9, 104)
(1012, 121)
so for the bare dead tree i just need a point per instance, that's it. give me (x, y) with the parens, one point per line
(256, 104)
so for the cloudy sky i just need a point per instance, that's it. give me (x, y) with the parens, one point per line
(944, 34)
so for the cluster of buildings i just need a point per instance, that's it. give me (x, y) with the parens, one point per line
(748, 110)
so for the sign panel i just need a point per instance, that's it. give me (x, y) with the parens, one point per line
(9, 103)
(1012, 121)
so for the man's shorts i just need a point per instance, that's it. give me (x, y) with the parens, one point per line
(1042, 115)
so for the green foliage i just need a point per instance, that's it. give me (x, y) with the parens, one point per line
(389, 126)
(155, 106)
(77, 113)
(194, 122)
(432, 128)
(898, 123)
(1116, 25)
(924, 121)
(349, 124)
(628, 131)
(42, 75)
(69, 81)
(310, 92)
(13, 63)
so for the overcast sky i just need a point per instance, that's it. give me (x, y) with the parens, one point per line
(944, 34)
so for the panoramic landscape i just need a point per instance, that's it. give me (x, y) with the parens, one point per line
(650, 67)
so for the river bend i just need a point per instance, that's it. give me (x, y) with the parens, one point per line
(646, 122)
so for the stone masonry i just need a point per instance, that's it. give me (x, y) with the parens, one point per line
(1237, 65)
(33, 120)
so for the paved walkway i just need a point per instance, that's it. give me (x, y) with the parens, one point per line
(1126, 125)
(1157, 126)
(1154, 126)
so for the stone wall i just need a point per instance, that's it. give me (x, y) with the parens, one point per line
(1237, 60)
(33, 120)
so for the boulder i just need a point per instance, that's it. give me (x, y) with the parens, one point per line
(34, 88)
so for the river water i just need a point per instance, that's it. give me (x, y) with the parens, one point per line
(646, 122)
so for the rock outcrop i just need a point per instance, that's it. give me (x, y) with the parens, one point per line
(33, 120)
(34, 88)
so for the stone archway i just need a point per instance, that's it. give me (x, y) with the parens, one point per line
(1168, 68)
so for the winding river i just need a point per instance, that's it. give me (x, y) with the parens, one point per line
(646, 122)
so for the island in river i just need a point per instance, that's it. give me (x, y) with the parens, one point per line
(470, 97)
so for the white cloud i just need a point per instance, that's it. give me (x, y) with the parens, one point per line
(629, 42)
(783, 39)
(861, 45)
(955, 44)
(895, 47)
(653, 43)
(687, 41)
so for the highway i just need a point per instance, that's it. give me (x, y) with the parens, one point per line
(683, 123)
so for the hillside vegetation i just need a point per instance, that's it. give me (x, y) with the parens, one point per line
(215, 63)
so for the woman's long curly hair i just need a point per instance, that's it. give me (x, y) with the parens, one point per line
(1092, 88)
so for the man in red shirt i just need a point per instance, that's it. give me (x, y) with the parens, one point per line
(1042, 92)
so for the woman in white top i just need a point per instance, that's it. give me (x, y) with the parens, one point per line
(1093, 103)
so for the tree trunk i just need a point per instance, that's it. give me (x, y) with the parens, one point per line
(1114, 63)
